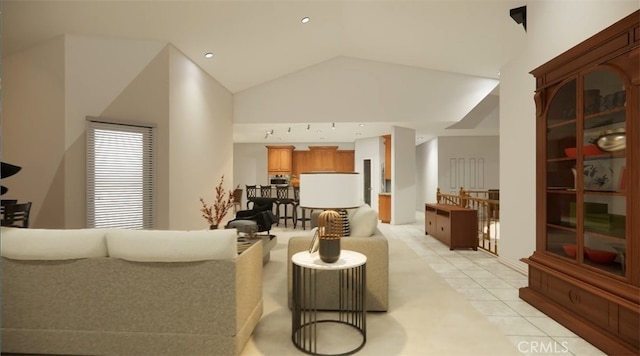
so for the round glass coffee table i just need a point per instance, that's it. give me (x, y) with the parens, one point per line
(310, 326)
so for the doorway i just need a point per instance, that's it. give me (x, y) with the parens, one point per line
(367, 181)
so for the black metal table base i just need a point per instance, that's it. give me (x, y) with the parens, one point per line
(352, 312)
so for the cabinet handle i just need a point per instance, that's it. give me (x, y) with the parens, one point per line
(441, 228)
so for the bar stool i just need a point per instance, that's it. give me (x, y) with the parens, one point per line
(282, 199)
(265, 191)
(252, 194)
(16, 215)
(296, 204)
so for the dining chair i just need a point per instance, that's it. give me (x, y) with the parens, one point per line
(16, 215)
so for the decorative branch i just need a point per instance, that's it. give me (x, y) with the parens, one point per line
(220, 208)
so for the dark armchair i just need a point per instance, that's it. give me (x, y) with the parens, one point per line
(261, 213)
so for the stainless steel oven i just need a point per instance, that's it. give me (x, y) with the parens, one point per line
(278, 180)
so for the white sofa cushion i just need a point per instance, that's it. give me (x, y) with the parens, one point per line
(172, 246)
(52, 244)
(364, 221)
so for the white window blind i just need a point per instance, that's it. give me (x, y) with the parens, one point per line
(119, 176)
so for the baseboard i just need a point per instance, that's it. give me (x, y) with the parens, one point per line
(515, 265)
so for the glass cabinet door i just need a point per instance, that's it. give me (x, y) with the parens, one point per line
(561, 156)
(603, 178)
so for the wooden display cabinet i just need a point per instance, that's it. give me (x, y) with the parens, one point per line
(585, 271)
(455, 226)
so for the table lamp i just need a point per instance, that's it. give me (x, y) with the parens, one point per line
(329, 191)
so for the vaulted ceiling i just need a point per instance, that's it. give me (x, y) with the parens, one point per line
(257, 43)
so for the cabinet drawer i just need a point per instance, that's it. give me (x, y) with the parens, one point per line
(430, 222)
(628, 325)
(600, 311)
(578, 300)
(443, 226)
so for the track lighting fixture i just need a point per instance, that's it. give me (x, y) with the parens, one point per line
(271, 132)
(289, 130)
(308, 126)
(333, 125)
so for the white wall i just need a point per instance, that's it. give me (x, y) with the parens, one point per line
(200, 127)
(33, 97)
(553, 27)
(355, 90)
(369, 148)
(469, 162)
(55, 85)
(403, 175)
(426, 173)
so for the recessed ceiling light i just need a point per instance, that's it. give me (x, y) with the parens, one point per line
(361, 125)
(208, 55)
(305, 19)
(358, 133)
(420, 138)
(318, 131)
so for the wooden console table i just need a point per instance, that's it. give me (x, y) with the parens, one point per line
(455, 226)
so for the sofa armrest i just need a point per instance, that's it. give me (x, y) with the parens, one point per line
(375, 247)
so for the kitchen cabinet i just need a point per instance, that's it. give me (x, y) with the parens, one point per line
(585, 270)
(384, 208)
(279, 159)
(345, 161)
(301, 162)
(323, 158)
(387, 156)
(455, 226)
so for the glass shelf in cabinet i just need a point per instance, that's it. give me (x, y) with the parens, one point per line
(554, 124)
(605, 118)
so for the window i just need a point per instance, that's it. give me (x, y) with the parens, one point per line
(119, 175)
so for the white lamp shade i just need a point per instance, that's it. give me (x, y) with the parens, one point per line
(329, 190)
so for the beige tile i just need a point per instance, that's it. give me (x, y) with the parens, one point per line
(579, 347)
(476, 294)
(462, 283)
(493, 283)
(550, 326)
(523, 308)
(505, 294)
(515, 325)
(493, 307)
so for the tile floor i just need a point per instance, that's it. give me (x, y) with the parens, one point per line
(492, 288)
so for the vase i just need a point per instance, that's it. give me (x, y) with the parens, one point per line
(213, 227)
(329, 249)
(295, 182)
(330, 230)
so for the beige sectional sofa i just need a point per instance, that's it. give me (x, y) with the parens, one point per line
(128, 292)
(365, 238)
